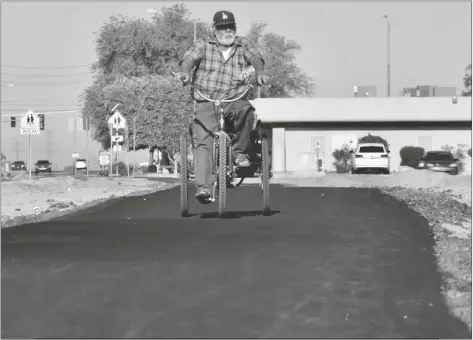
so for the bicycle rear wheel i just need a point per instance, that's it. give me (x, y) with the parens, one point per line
(184, 174)
(265, 170)
(222, 175)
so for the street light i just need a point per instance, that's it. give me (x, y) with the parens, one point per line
(388, 54)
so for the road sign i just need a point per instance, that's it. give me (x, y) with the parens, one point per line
(29, 124)
(117, 139)
(117, 121)
(75, 155)
(104, 158)
(117, 149)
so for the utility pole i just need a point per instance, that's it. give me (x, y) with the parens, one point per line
(17, 149)
(87, 144)
(388, 57)
(110, 163)
(134, 145)
(126, 144)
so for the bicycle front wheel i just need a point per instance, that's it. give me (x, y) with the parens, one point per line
(265, 170)
(184, 174)
(222, 175)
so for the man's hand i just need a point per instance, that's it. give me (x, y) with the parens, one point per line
(184, 77)
(262, 78)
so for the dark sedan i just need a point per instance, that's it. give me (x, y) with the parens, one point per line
(442, 161)
(18, 165)
(43, 166)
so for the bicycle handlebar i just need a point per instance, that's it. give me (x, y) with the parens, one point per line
(249, 86)
(224, 100)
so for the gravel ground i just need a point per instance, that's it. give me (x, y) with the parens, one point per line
(40, 199)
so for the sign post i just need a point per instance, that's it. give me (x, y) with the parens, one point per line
(116, 121)
(29, 126)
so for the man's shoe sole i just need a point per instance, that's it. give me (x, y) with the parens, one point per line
(203, 199)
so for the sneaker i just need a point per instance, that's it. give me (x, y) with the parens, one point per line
(242, 161)
(203, 195)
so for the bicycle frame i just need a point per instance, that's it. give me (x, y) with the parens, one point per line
(216, 147)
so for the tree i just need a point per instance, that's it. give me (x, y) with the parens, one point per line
(159, 104)
(287, 79)
(467, 82)
(374, 139)
(136, 47)
(133, 48)
(134, 60)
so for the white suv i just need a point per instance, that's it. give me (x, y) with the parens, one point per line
(370, 156)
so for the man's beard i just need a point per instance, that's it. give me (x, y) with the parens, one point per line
(226, 39)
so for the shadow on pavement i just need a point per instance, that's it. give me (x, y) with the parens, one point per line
(236, 214)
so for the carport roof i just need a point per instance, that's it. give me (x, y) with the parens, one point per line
(378, 109)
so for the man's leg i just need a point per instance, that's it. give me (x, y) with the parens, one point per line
(205, 115)
(242, 117)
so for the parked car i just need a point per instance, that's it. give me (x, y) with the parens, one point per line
(439, 161)
(370, 156)
(42, 166)
(18, 165)
(81, 164)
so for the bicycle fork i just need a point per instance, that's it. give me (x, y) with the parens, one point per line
(216, 149)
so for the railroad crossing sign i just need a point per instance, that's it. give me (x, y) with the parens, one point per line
(117, 121)
(30, 124)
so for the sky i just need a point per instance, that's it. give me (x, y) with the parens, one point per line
(343, 43)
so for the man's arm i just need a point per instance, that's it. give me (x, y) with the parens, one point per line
(192, 57)
(254, 57)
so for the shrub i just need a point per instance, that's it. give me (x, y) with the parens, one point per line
(152, 168)
(121, 168)
(469, 152)
(411, 156)
(457, 153)
(374, 139)
(342, 156)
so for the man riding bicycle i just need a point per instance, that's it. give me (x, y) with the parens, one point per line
(219, 61)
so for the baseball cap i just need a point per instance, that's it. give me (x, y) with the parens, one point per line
(223, 18)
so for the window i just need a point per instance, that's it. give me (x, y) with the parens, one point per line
(438, 156)
(371, 149)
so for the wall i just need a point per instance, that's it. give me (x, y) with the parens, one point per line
(300, 151)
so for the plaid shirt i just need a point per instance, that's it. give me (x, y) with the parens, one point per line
(215, 74)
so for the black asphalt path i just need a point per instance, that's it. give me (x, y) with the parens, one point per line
(329, 263)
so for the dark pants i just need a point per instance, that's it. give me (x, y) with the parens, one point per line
(238, 116)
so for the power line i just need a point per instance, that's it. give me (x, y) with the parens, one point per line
(35, 105)
(24, 110)
(46, 68)
(44, 75)
(44, 113)
(35, 84)
(26, 100)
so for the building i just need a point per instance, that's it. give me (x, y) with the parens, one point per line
(364, 91)
(445, 91)
(64, 134)
(429, 91)
(307, 129)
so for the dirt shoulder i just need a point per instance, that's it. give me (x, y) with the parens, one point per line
(40, 199)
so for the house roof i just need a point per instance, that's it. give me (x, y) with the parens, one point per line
(371, 109)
